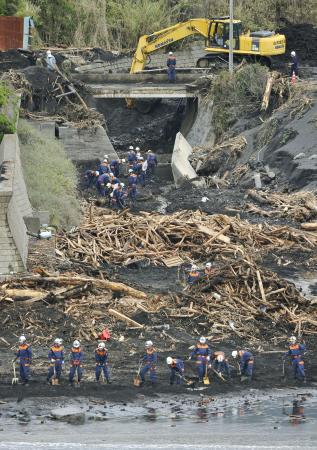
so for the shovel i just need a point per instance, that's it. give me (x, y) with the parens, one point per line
(219, 375)
(206, 379)
(137, 380)
(15, 380)
(54, 380)
(283, 370)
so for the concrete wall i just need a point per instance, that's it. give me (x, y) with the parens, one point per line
(182, 170)
(14, 206)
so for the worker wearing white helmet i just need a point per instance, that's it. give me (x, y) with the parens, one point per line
(176, 366)
(131, 157)
(201, 354)
(149, 363)
(50, 61)
(56, 361)
(24, 353)
(76, 360)
(246, 364)
(101, 358)
(151, 162)
(296, 351)
(171, 67)
(294, 64)
(220, 364)
(193, 276)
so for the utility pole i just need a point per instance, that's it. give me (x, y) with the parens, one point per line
(231, 38)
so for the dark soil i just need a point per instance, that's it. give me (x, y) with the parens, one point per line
(302, 38)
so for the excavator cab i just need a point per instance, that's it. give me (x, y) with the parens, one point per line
(220, 32)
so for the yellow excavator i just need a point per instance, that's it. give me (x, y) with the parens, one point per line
(258, 46)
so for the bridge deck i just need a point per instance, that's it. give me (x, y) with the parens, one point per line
(142, 90)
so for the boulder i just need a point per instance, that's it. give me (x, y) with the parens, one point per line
(69, 414)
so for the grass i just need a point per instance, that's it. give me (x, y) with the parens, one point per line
(50, 177)
(7, 125)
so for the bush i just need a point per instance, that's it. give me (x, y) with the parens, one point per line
(7, 124)
(237, 96)
(50, 177)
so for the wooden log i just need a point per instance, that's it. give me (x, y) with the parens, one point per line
(309, 226)
(124, 318)
(214, 234)
(267, 93)
(261, 286)
(22, 293)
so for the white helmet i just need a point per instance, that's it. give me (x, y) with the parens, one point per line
(292, 339)
(22, 339)
(49, 53)
(170, 53)
(202, 340)
(148, 344)
(234, 354)
(101, 345)
(122, 160)
(58, 341)
(219, 358)
(108, 185)
(293, 53)
(130, 170)
(111, 174)
(194, 267)
(208, 265)
(76, 344)
(149, 151)
(169, 360)
(106, 156)
(97, 173)
(141, 158)
(137, 149)
(122, 185)
(105, 160)
(131, 147)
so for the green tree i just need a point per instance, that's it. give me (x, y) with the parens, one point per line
(9, 7)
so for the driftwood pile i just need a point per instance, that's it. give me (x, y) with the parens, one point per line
(298, 206)
(189, 235)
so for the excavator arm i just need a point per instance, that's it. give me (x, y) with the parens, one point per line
(150, 43)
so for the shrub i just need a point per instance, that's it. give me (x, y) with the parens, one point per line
(50, 177)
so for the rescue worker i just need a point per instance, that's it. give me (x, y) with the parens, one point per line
(76, 359)
(193, 276)
(246, 363)
(118, 196)
(137, 166)
(115, 167)
(171, 67)
(151, 162)
(202, 354)
(295, 351)
(113, 179)
(294, 64)
(131, 156)
(137, 152)
(209, 270)
(104, 167)
(50, 61)
(56, 359)
(101, 357)
(90, 177)
(143, 172)
(150, 360)
(102, 183)
(177, 369)
(25, 354)
(220, 363)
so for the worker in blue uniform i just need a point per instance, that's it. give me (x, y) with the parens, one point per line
(56, 360)
(101, 357)
(201, 354)
(115, 167)
(246, 364)
(102, 182)
(296, 352)
(171, 67)
(90, 178)
(104, 167)
(132, 187)
(193, 276)
(220, 363)
(131, 157)
(294, 64)
(151, 162)
(150, 361)
(177, 369)
(113, 179)
(76, 360)
(24, 353)
(118, 196)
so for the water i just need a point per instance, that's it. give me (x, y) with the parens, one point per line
(253, 421)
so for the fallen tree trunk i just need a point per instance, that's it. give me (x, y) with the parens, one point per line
(75, 281)
(124, 318)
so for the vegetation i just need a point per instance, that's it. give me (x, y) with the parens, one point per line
(50, 177)
(7, 125)
(237, 96)
(118, 24)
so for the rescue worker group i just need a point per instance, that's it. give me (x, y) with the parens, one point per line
(106, 177)
(205, 360)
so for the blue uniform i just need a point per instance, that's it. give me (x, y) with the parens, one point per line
(193, 277)
(177, 371)
(90, 178)
(150, 359)
(56, 359)
(202, 355)
(25, 355)
(102, 184)
(171, 68)
(246, 364)
(221, 366)
(118, 198)
(137, 167)
(295, 352)
(132, 191)
(101, 357)
(104, 168)
(131, 158)
(295, 66)
(115, 167)
(151, 162)
(76, 359)
(114, 180)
